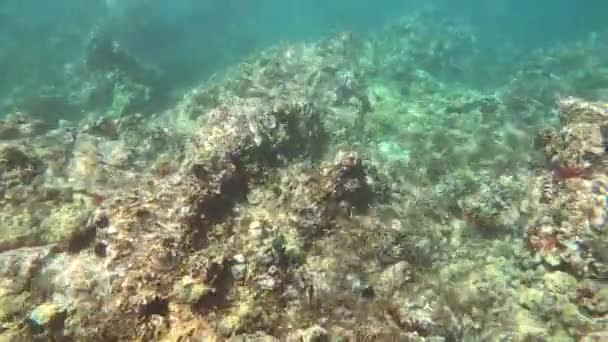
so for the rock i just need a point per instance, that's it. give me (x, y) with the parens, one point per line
(570, 314)
(392, 278)
(315, 334)
(239, 258)
(19, 125)
(239, 271)
(267, 282)
(528, 326)
(17, 164)
(552, 259)
(360, 287)
(257, 337)
(190, 291)
(256, 229)
(11, 335)
(560, 282)
(239, 318)
(18, 264)
(252, 133)
(11, 304)
(68, 223)
(533, 299)
(45, 316)
(599, 303)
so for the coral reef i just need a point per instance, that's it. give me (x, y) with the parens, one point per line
(568, 228)
(344, 189)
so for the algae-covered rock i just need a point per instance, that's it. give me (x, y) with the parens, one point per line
(494, 207)
(598, 304)
(393, 277)
(563, 336)
(552, 259)
(11, 304)
(258, 337)
(533, 299)
(65, 223)
(560, 283)
(238, 318)
(16, 266)
(239, 270)
(18, 165)
(528, 326)
(190, 291)
(19, 125)
(255, 131)
(571, 315)
(315, 333)
(12, 335)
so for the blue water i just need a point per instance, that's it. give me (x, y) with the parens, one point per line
(193, 39)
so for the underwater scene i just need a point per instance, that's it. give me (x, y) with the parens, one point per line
(304, 170)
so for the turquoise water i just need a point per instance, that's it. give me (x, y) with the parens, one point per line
(198, 38)
(303, 170)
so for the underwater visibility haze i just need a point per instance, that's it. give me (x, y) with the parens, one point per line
(303, 170)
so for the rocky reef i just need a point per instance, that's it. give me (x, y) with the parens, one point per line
(568, 229)
(346, 189)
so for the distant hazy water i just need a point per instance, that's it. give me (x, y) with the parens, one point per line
(192, 39)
